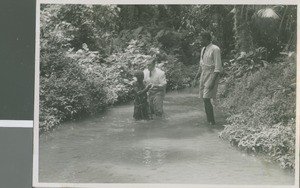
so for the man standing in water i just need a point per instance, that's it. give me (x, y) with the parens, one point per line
(156, 94)
(209, 68)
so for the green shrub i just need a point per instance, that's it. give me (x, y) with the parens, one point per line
(178, 74)
(80, 83)
(261, 108)
(77, 90)
(247, 63)
(120, 67)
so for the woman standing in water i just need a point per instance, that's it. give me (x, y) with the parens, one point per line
(141, 107)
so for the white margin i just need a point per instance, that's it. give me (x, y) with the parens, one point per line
(297, 164)
(258, 2)
(35, 163)
(16, 123)
(37, 184)
(137, 185)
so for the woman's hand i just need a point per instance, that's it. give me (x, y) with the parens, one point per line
(155, 88)
(148, 86)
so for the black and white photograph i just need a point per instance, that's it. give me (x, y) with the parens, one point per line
(165, 94)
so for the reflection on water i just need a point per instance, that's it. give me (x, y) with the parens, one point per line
(179, 148)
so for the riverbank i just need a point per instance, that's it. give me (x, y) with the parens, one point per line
(261, 109)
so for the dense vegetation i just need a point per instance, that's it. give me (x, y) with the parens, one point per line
(261, 108)
(89, 52)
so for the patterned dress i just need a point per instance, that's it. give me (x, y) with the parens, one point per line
(141, 107)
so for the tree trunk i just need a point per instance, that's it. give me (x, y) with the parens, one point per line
(242, 32)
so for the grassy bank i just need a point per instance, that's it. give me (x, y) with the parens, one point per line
(261, 109)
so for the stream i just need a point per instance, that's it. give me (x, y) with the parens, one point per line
(180, 148)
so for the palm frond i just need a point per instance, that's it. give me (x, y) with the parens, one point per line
(266, 21)
(267, 13)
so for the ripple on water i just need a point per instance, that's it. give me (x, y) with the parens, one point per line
(179, 148)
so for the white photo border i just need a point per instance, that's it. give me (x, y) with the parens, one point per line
(35, 179)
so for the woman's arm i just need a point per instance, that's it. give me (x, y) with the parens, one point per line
(140, 92)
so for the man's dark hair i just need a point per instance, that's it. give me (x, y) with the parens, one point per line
(206, 35)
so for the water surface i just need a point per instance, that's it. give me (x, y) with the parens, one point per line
(180, 148)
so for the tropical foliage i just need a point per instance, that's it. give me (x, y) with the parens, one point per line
(89, 52)
(261, 110)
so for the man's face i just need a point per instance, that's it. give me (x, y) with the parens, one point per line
(205, 41)
(151, 65)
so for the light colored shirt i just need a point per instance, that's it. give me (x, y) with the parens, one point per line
(211, 57)
(157, 78)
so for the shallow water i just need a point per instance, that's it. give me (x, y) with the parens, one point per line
(179, 148)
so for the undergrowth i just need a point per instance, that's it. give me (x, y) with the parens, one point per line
(261, 109)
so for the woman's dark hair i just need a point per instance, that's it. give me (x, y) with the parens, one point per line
(206, 35)
(139, 75)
